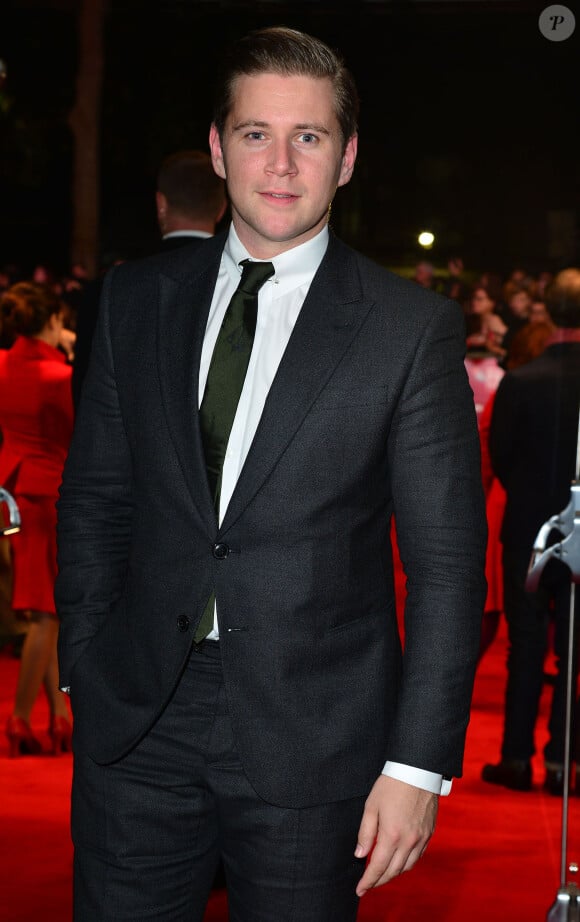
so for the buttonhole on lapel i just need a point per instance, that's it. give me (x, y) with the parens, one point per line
(235, 630)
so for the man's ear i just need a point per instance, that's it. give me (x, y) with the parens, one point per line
(161, 203)
(215, 147)
(348, 160)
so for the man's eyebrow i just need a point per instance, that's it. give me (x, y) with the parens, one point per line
(256, 123)
(321, 129)
(249, 123)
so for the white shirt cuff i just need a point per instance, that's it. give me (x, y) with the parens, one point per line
(429, 781)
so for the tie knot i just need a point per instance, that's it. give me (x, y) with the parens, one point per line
(254, 274)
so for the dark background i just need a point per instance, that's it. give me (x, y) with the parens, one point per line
(469, 124)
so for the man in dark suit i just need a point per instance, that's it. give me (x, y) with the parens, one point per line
(229, 633)
(190, 201)
(533, 442)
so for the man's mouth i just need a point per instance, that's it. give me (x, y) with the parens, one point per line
(280, 196)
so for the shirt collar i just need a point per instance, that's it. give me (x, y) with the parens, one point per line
(292, 269)
(187, 233)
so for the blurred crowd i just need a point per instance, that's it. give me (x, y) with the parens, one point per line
(496, 306)
(68, 287)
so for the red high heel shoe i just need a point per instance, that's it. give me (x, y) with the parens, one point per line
(60, 732)
(21, 738)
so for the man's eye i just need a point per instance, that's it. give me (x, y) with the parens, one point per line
(255, 135)
(308, 138)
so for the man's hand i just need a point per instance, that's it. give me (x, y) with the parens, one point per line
(398, 819)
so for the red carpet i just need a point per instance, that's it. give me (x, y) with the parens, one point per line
(495, 856)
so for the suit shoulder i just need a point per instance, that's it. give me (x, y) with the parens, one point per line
(386, 287)
(175, 263)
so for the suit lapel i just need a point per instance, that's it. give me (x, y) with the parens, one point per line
(184, 305)
(328, 322)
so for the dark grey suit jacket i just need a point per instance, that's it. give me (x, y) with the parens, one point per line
(533, 440)
(370, 413)
(88, 309)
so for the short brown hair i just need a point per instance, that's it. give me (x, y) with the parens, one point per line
(285, 51)
(190, 185)
(563, 298)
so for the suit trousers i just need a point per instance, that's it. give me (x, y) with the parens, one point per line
(150, 829)
(528, 617)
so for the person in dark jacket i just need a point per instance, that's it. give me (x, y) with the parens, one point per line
(533, 447)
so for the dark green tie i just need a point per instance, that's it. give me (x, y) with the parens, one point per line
(225, 380)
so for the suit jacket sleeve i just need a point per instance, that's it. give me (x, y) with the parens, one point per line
(439, 509)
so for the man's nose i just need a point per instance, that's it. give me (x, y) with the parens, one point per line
(281, 161)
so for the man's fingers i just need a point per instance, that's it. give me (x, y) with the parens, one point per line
(397, 824)
(388, 861)
(383, 865)
(367, 832)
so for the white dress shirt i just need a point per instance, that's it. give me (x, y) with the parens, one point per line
(187, 233)
(279, 303)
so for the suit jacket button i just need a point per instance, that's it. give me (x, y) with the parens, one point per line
(220, 551)
(183, 622)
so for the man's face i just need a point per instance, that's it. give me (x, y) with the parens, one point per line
(281, 156)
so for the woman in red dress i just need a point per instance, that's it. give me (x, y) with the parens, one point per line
(36, 418)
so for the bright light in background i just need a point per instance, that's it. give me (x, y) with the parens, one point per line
(426, 239)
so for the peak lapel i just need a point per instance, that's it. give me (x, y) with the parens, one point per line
(329, 320)
(183, 310)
